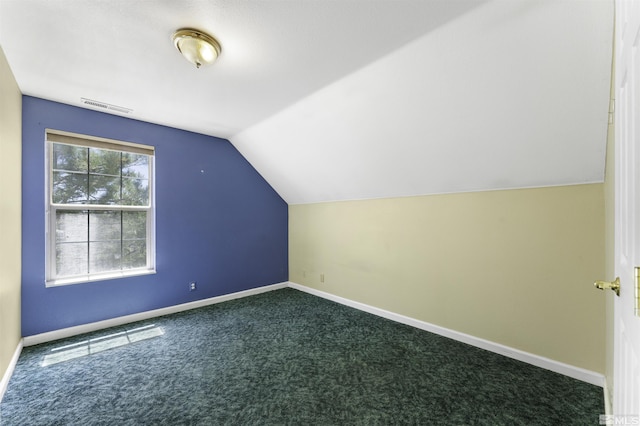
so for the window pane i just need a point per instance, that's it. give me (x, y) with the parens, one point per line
(71, 259)
(72, 226)
(104, 256)
(134, 254)
(134, 225)
(71, 242)
(135, 165)
(104, 189)
(70, 158)
(104, 226)
(70, 188)
(135, 192)
(104, 162)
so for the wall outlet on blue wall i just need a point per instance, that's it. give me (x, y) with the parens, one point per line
(186, 237)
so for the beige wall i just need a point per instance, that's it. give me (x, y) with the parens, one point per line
(514, 267)
(10, 212)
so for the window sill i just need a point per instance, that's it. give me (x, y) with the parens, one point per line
(98, 277)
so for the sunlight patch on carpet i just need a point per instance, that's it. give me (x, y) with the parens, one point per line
(100, 344)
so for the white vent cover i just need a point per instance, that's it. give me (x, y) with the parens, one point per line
(104, 105)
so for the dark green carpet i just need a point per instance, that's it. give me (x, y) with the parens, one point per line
(284, 358)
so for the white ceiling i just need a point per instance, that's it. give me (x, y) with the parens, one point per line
(349, 99)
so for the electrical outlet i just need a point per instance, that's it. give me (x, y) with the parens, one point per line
(192, 286)
(321, 278)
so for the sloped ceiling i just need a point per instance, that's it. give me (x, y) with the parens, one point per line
(350, 99)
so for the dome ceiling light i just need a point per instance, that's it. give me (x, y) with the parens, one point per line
(196, 46)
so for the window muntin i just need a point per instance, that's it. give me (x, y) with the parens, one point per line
(100, 215)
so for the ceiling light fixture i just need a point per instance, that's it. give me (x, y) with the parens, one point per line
(197, 47)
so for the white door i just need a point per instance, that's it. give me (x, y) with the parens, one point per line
(626, 393)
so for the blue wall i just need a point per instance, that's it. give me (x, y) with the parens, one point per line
(218, 222)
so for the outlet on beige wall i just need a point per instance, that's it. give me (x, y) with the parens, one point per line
(514, 267)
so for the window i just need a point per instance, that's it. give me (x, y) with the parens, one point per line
(100, 217)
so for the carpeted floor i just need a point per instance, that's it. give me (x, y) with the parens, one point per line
(284, 358)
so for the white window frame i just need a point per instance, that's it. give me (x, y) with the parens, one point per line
(67, 138)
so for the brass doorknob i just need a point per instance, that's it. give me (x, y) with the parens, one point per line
(614, 285)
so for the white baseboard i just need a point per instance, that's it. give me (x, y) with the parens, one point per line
(539, 361)
(4, 383)
(99, 325)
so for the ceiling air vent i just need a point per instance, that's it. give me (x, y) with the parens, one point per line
(104, 105)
